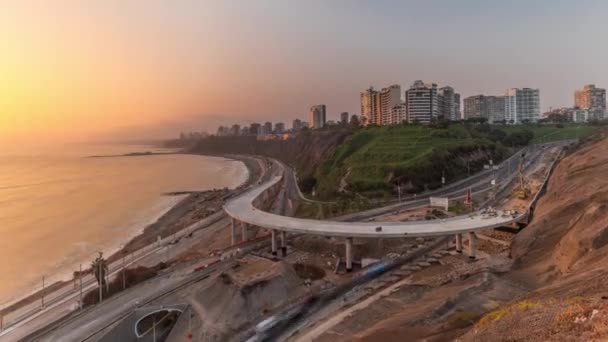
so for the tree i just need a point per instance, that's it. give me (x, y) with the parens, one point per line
(308, 183)
(100, 269)
(354, 120)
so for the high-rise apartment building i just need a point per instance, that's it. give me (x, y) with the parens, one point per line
(267, 128)
(296, 125)
(236, 129)
(422, 102)
(522, 105)
(279, 128)
(389, 98)
(399, 114)
(344, 118)
(370, 107)
(449, 104)
(255, 129)
(592, 99)
(317, 116)
(481, 106)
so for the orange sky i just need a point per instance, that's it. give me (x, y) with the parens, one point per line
(71, 75)
(72, 70)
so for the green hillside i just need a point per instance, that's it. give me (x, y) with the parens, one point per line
(549, 133)
(373, 160)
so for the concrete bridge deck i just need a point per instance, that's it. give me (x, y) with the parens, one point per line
(244, 210)
(247, 209)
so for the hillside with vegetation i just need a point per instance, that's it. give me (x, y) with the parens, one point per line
(374, 160)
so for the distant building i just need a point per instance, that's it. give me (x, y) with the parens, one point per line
(267, 128)
(224, 131)
(296, 125)
(255, 129)
(590, 97)
(279, 128)
(344, 118)
(354, 120)
(370, 107)
(235, 130)
(399, 114)
(305, 124)
(481, 106)
(389, 98)
(422, 102)
(449, 104)
(578, 115)
(317, 116)
(522, 105)
(245, 130)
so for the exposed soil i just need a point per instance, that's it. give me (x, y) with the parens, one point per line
(562, 254)
(235, 299)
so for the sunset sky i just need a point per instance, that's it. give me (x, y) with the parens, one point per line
(112, 69)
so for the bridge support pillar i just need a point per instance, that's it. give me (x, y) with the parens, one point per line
(233, 232)
(244, 231)
(349, 254)
(273, 241)
(472, 245)
(459, 243)
(283, 243)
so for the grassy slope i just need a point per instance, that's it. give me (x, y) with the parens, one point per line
(372, 154)
(377, 155)
(549, 133)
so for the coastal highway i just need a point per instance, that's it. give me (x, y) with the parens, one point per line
(32, 318)
(242, 209)
(478, 183)
(94, 322)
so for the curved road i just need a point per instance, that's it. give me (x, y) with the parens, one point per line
(243, 209)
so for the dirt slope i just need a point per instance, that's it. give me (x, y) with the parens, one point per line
(563, 254)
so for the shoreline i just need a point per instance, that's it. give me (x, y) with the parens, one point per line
(172, 219)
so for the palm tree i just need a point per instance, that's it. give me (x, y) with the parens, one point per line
(100, 269)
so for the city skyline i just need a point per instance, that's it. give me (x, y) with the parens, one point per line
(114, 69)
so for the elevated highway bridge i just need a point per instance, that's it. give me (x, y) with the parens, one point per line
(247, 209)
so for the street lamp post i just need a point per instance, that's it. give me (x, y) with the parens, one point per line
(100, 280)
(399, 191)
(42, 297)
(124, 284)
(80, 281)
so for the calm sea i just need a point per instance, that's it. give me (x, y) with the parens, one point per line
(58, 209)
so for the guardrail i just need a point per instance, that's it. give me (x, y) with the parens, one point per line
(543, 188)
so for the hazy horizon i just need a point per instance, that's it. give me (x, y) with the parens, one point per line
(116, 70)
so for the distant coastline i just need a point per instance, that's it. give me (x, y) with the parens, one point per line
(134, 154)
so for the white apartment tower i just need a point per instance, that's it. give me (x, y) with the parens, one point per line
(399, 114)
(422, 102)
(522, 105)
(390, 97)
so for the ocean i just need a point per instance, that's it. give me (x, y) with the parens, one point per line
(58, 209)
